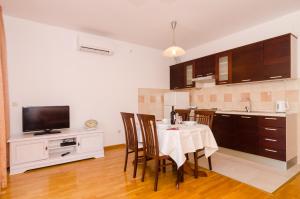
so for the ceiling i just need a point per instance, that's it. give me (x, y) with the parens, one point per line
(147, 22)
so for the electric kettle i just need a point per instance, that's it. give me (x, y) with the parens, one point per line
(281, 106)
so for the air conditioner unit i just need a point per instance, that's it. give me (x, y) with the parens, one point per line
(93, 46)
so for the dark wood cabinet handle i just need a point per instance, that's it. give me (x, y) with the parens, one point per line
(275, 77)
(46, 148)
(271, 150)
(246, 80)
(209, 74)
(270, 118)
(225, 115)
(199, 75)
(271, 140)
(270, 129)
(245, 117)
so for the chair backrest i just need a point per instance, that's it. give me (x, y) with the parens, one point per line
(184, 113)
(205, 117)
(149, 133)
(130, 130)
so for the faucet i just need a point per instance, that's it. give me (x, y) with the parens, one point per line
(248, 108)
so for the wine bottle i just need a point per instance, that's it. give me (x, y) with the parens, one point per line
(173, 115)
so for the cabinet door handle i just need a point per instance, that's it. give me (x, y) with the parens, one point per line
(189, 86)
(78, 144)
(199, 75)
(246, 80)
(270, 129)
(46, 148)
(209, 73)
(222, 82)
(270, 118)
(275, 77)
(270, 150)
(225, 115)
(175, 87)
(271, 140)
(245, 117)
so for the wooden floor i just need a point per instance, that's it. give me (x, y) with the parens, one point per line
(104, 178)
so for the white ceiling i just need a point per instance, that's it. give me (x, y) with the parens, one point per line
(147, 22)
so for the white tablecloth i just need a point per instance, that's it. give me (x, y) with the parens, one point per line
(187, 139)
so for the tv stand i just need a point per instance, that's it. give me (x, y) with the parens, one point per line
(47, 132)
(30, 152)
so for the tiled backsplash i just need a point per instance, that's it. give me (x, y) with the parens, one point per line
(263, 96)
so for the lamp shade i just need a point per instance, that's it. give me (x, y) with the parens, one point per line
(174, 51)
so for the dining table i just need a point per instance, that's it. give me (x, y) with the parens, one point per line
(180, 139)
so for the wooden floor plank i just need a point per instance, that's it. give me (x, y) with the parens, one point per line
(104, 178)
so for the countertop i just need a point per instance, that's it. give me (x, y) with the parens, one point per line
(255, 113)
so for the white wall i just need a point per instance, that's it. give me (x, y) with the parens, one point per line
(286, 24)
(45, 68)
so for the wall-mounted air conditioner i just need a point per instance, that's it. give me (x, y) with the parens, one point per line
(88, 44)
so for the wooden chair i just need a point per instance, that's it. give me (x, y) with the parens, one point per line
(132, 145)
(203, 117)
(184, 113)
(151, 147)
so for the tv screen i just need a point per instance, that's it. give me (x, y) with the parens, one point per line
(45, 118)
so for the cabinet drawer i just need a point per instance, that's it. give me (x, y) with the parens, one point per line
(273, 132)
(272, 153)
(273, 143)
(267, 121)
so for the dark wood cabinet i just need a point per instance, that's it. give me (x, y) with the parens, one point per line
(259, 135)
(277, 57)
(204, 66)
(246, 130)
(177, 76)
(247, 62)
(189, 74)
(223, 67)
(270, 59)
(223, 130)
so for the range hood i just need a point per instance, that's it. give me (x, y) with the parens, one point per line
(204, 82)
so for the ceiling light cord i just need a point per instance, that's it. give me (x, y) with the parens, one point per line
(173, 25)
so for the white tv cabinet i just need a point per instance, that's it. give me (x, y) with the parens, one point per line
(30, 152)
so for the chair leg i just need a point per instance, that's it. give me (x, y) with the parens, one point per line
(187, 156)
(126, 159)
(157, 165)
(182, 174)
(144, 168)
(164, 166)
(209, 163)
(196, 164)
(135, 163)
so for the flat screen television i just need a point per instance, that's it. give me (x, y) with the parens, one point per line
(45, 119)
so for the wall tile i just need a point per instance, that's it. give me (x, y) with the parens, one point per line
(213, 98)
(200, 98)
(266, 96)
(245, 97)
(152, 99)
(227, 97)
(292, 95)
(141, 99)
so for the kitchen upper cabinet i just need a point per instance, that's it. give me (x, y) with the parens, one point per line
(205, 66)
(247, 63)
(189, 74)
(223, 67)
(177, 79)
(279, 57)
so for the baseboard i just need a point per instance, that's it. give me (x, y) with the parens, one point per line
(112, 147)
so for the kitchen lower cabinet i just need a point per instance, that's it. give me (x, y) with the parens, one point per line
(223, 130)
(260, 135)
